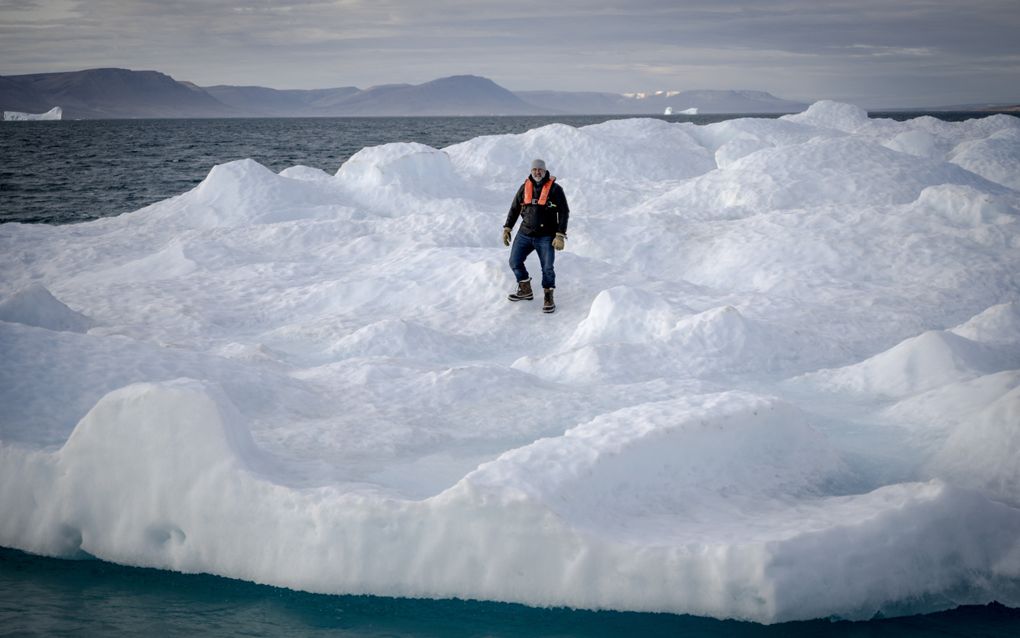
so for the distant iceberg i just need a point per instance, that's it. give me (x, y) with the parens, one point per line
(56, 113)
(691, 111)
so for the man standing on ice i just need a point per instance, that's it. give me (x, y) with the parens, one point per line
(542, 206)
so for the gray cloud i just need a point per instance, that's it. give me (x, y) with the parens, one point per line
(874, 52)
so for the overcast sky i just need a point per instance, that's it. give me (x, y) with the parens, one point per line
(872, 52)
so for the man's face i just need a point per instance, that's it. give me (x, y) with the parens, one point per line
(538, 173)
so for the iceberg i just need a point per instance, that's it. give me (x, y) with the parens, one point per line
(782, 381)
(56, 113)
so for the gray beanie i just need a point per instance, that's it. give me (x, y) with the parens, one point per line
(538, 164)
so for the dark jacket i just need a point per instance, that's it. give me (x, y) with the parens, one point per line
(539, 221)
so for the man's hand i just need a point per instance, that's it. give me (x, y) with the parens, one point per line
(559, 241)
(506, 236)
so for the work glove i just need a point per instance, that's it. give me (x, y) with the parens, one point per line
(559, 241)
(506, 235)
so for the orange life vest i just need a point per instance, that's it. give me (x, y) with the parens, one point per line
(529, 192)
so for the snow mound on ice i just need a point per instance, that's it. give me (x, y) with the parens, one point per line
(920, 363)
(833, 115)
(246, 192)
(34, 305)
(995, 157)
(640, 150)
(161, 448)
(982, 452)
(965, 206)
(780, 132)
(630, 335)
(735, 149)
(405, 166)
(672, 461)
(917, 142)
(397, 338)
(723, 339)
(623, 314)
(821, 172)
(176, 429)
(870, 169)
(169, 263)
(944, 408)
(602, 362)
(999, 325)
(967, 431)
(307, 173)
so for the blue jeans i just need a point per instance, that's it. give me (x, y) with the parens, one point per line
(522, 247)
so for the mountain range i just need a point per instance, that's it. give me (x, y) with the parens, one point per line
(123, 93)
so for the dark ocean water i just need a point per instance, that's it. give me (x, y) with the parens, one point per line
(49, 597)
(72, 171)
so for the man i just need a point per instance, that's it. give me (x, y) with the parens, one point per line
(542, 207)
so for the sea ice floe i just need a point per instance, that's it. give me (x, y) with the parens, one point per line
(781, 383)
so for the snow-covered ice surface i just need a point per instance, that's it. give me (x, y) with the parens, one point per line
(783, 381)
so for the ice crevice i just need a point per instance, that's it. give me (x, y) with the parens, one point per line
(783, 380)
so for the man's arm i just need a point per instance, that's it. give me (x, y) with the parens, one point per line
(515, 208)
(562, 210)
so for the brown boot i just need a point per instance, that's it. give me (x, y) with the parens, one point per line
(549, 305)
(523, 291)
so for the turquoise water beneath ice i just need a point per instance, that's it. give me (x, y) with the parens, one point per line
(50, 597)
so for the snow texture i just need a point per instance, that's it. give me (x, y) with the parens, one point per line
(35, 306)
(782, 382)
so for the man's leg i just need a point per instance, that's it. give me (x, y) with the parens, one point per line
(519, 251)
(547, 257)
